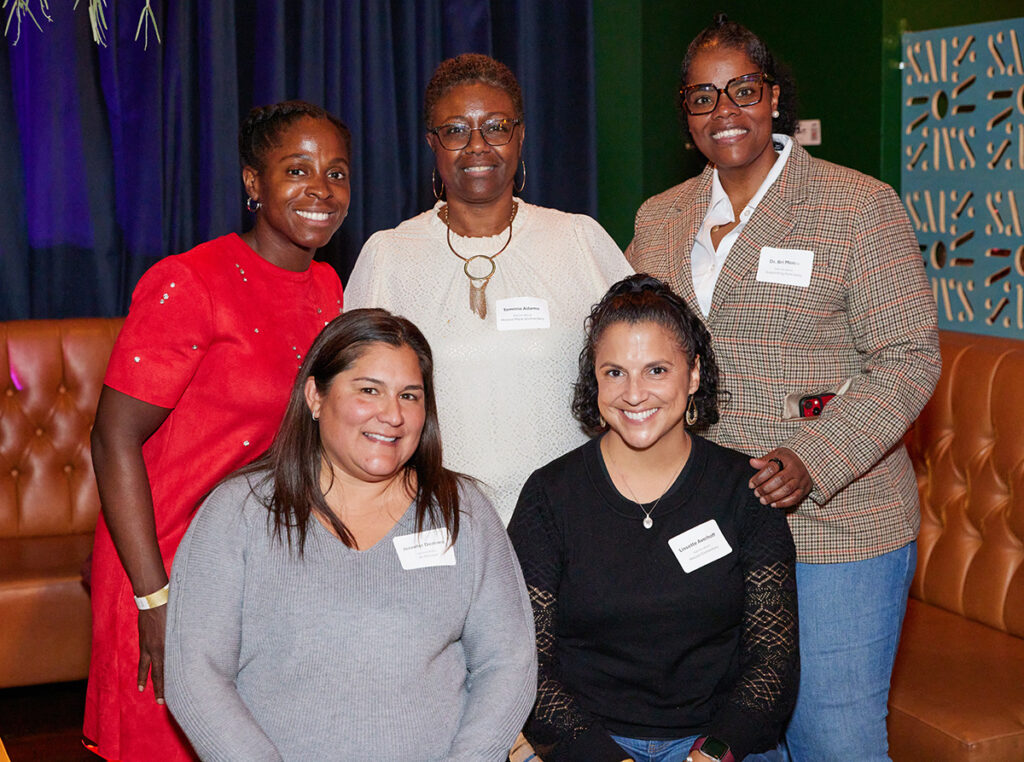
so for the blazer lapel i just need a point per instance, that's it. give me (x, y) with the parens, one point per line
(770, 225)
(682, 234)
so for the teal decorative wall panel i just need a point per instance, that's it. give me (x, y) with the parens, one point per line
(963, 170)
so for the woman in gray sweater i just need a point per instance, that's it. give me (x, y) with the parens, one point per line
(346, 597)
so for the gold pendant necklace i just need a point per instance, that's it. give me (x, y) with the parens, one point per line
(479, 278)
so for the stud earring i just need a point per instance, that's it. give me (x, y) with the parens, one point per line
(433, 184)
(252, 204)
(775, 114)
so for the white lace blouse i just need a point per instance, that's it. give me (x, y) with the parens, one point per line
(502, 395)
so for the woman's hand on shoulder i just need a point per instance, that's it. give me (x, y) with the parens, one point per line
(782, 479)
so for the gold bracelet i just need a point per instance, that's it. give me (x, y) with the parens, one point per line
(153, 600)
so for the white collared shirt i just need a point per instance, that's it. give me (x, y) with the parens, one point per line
(706, 262)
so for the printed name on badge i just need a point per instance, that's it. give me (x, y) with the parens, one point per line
(422, 549)
(522, 313)
(700, 546)
(790, 267)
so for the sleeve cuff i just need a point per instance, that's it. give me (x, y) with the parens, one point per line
(745, 733)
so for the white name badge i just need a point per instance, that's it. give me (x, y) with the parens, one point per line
(522, 313)
(790, 267)
(699, 546)
(422, 549)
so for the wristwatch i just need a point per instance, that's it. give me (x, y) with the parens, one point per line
(714, 749)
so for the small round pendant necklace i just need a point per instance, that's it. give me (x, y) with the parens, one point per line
(478, 279)
(648, 521)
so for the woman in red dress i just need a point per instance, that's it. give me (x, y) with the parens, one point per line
(196, 387)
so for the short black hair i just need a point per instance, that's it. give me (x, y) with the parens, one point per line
(728, 34)
(642, 299)
(262, 128)
(470, 67)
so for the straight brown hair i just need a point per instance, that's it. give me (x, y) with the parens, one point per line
(294, 460)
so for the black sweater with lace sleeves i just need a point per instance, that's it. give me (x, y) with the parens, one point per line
(631, 644)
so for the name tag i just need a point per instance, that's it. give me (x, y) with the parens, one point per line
(790, 267)
(699, 546)
(422, 549)
(522, 313)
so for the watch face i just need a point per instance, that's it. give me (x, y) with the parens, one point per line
(714, 748)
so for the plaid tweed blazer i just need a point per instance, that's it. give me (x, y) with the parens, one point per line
(868, 317)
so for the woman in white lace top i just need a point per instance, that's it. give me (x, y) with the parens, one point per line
(499, 287)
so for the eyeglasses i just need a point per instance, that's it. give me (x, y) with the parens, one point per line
(456, 135)
(743, 91)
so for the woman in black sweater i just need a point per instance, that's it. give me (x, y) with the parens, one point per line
(663, 592)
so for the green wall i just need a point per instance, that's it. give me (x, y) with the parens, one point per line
(640, 44)
(844, 56)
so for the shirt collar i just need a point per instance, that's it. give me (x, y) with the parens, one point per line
(720, 208)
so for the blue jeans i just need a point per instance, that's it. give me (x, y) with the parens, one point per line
(657, 750)
(673, 750)
(850, 620)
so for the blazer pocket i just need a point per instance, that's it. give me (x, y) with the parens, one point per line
(808, 404)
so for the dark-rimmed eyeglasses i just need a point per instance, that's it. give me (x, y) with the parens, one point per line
(456, 135)
(744, 91)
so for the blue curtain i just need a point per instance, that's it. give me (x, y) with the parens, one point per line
(111, 158)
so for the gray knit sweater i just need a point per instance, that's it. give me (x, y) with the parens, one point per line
(342, 654)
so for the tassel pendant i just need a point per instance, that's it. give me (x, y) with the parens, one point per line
(477, 298)
(478, 282)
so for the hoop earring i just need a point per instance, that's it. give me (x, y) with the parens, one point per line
(604, 424)
(252, 204)
(520, 188)
(691, 412)
(433, 184)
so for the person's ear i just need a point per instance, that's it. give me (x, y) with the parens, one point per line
(250, 179)
(695, 375)
(313, 399)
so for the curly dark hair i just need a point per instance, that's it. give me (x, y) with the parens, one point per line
(262, 128)
(641, 299)
(470, 67)
(729, 34)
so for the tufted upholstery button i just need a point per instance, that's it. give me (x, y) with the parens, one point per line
(51, 373)
(957, 681)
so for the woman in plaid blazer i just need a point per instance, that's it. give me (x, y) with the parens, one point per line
(811, 282)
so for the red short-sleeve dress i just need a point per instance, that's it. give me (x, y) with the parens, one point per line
(218, 335)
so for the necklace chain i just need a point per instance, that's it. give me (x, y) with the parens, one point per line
(648, 521)
(444, 218)
(478, 284)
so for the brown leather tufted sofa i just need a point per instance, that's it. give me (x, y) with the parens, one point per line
(958, 684)
(52, 374)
